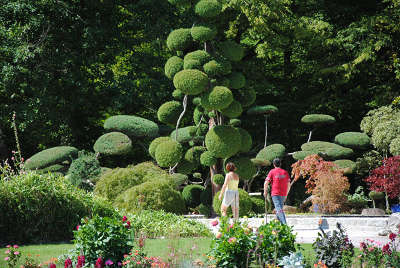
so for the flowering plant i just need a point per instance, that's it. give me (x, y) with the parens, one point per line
(12, 256)
(371, 252)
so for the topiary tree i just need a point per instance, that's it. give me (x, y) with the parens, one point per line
(51, 156)
(83, 170)
(113, 143)
(191, 195)
(132, 126)
(317, 120)
(271, 152)
(353, 140)
(265, 110)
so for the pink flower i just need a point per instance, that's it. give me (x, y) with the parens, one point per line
(68, 263)
(77, 227)
(8, 246)
(7, 251)
(99, 263)
(52, 265)
(15, 246)
(109, 262)
(81, 261)
(231, 226)
(214, 222)
(124, 219)
(6, 258)
(386, 249)
(16, 252)
(218, 235)
(232, 240)
(128, 224)
(363, 246)
(12, 158)
(22, 159)
(392, 236)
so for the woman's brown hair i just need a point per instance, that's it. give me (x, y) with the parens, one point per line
(230, 167)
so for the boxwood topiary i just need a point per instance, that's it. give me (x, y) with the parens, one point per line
(202, 129)
(233, 110)
(246, 139)
(177, 94)
(346, 165)
(208, 8)
(317, 119)
(173, 66)
(57, 168)
(51, 156)
(206, 196)
(191, 64)
(193, 155)
(246, 97)
(208, 159)
(336, 153)
(179, 179)
(168, 153)
(300, 155)
(237, 80)
(155, 143)
(84, 169)
(179, 39)
(217, 99)
(185, 167)
(265, 109)
(168, 112)
(245, 204)
(260, 162)
(151, 195)
(258, 204)
(223, 141)
(354, 140)
(318, 146)
(214, 68)
(131, 125)
(198, 55)
(185, 134)
(113, 143)
(218, 179)
(231, 50)
(244, 167)
(191, 195)
(191, 82)
(203, 32)
(235, 122)
(271, 152)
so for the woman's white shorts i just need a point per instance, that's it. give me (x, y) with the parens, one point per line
(231, 198)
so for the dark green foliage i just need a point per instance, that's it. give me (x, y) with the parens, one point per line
(346, 165)
(245, 96)
(110, 236)
(218, 67)
(368, 162)
(354, 140)
(198, 55)
(211, 114)
(203, 32)
(202, 130)
(84, 169)
(237, 80)
(54, 168)
(327, 150)
(204, 210)
(191, 64)
(208, 8)
(155, 143)
(208, 159)
(235, 122)
(32, 206)
(173, 66)
(217, 99)
(245, 204)
(271, 152)
(177, 94)
(185, 134)
(247, 141)
(197, 101)
(331, 248)
(168, 153)
(244, 167)
(233, 110)
(191, 195)
(223, 141)
(193, 155)
(218, 179)
(178, 2)
(51, 156)
(258, 204)
(132, 126)
(185, 167)
(206, 196)
(191, 82)
(179, 40)
(231, 50)
(151, 195)
(266, 109)
(169, 112)
(197, 114)
(113, 143)
(376, 195)
(318, 119)
(300, 155)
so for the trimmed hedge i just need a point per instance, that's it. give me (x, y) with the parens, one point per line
(84, 169)
(231, 50)
(258, 204)
(354, 140)
(327, 150)
(233, 110)
(260, 162)
(151, 195)
(168, 153)
(266, 109)
(208, 8)
(132, 126)
(177, 94)
(245, 204)
(223, 141)
(33, 206)
(193, 155)
(271, 152)
(179, 39)
(318, 146)
(185, 134)
(217, 99)
(173, 66)
(318, 119)
(191, 82)
(113, 143)
(300, 155)
(198, 55)
(207, 159)
(237, 80)
(216, 68)
(245, 168)
(155, 143)
(51, 156)
(247, 141)
(191, 195)
(346, 165)
(57, 168)
(185, 167)
(235, 122)
(168, 112)
(218, 179)
(203, 32)
(191, 64)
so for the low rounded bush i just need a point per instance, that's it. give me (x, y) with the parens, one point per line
(208, 8)
(233, 110)
(132, 126)
(394, 146)
(216, 68)
(237, 80)
(231, 50)
(246, 139)
(265, 109)
(335, 153)
(202, 129)
(246, 97)
(57, 168)
(346, 165)
(32, 207)
(193, 155)
(179, 179)
(203, 32)
(218, 179)
(177, 94)
(113, 143)
(51, 156)
(217, 99)
(319, 146)
(168, 113)
(354, 140)
(191, 195)
(260, 162)
(208, 159)
(258, 204)
(271, 152)
(168, 153)
(155, 143)
(318, 119)
(376, 195)
(185, 134)
(206, 197)
(179, 39)
(300, 155)
(191, 82)
(245, 204)
(244, 167)
(199, 55)
(223, 141)
(151, 195)
(83, 169)
(173, 66)
(191, 64)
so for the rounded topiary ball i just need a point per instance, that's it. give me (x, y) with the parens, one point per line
(131, 125)
(199, 55)
(271, 152)
(218, 179)
(217, 99)
(237, 80)
(346, 165)
(191, 64)
(266, 109)
(208, 159)
(244, 167)
(258, 204)
(233, 110)
(215, 68)
(336, 153)
(319, 146)
(235, 122)
(113, 143)
(245, 204)
(376, 195)
(169, 112)
(185, 167)
(191, 195)
(179, 39)
(354, 140)
(231, 50)
(317, 119)
(208, 8)
(51, 156)
(177, 94)
(197, 114)
(173, 66)
(179, 179)
(193, 154)
(260, 162)
(168, 153)
(155, 143)
(223, 141)
(300, 155)
(246, 97)
(246, 139)
(185, 134)
(203, 32)
(202, 130)
(191, 82)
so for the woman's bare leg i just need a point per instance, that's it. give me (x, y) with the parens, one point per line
(223, 210)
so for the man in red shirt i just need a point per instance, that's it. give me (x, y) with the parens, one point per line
(279, 178)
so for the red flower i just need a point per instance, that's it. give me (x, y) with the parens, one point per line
(386, 249)
(81, 262)
(392, 236)
(99, 263)
(77, 227)
(128, 224)
(68, 263)
(363, 246)
(52, 265)
(124, 219)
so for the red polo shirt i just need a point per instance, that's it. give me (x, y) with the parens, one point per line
(280, 180)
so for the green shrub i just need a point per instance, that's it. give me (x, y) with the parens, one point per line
(204, 210)
(245, 204)
(178, 2)
(185, 167)
(394, 147)
(191, 64)
(185, 134)
(191, 195)
(113, 143)
(218, 179)
(266, 109)
(168, 112)
(32, 207)
(177, 94)
(237, 80)
(56, 168)
(247, 141)
(235, 123)
(260, 162)
(197, 101)
(233, 110)
(216, 68)
(179, 179)
(231, 50)
(168, 153)
(199, 55)
(132, 126)
(193, 155)
(51, 156)
(203, 32)
(202, 129)
(271, 152)
(336, 153)
(258, 204)
(354, 140)
(376, 195)
(155, 224)
(246, 97)
(107, 237)
(83, 170)
(346, 165)
(318, 119)
(319, 146)
(206, 196)
(217, 99)
(155, 143)
(173, 66)
(244, 167)
(300, 155)
(208, 8)
(179, 39)
(191, 82)
(151, 195)
(223, 141)
(208, 159)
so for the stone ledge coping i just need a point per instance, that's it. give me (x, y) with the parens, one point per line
(288, 216)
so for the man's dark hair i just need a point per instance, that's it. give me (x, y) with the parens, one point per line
(277, 162)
